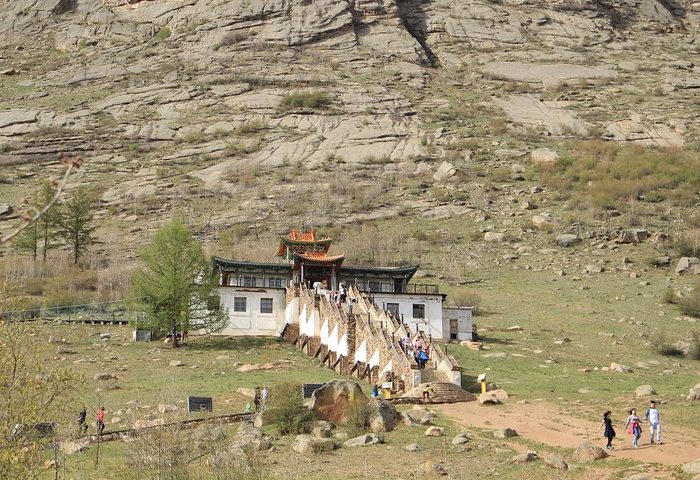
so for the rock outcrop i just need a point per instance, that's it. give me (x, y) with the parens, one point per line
(332, 401)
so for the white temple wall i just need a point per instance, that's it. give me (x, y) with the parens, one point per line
(245, 311)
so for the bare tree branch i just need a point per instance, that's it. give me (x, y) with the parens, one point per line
(72, 163)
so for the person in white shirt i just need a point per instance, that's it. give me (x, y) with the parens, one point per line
(652, 416)
(263, 397)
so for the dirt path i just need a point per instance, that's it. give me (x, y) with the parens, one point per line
(543, 423)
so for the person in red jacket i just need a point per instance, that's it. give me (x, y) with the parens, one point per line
(100, 420)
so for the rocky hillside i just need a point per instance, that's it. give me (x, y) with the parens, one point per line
(248, 116)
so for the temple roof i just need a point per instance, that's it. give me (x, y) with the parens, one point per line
(318, 258)
(302, 239)
(224, 264)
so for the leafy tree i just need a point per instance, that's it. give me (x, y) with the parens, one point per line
(32, 391)
(41, 234)
(76, 223)
(176, 284)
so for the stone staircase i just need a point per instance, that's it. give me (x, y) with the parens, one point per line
(364, 344)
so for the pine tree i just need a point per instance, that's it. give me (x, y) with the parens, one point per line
(42, 233)
(76, 222)
(176, 284)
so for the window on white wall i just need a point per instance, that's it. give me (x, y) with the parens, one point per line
(239, 304)
(265, 305)
(418, 310)
(393, 308)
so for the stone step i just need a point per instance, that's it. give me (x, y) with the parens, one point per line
(443, 392)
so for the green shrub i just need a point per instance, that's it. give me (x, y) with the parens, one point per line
(662, 345)
(163, 33)
(357, 419)
(312, 100)
(287, 409)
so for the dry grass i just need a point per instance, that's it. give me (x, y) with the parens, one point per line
(604, 175)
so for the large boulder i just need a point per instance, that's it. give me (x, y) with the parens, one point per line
(383, 417)
(332, 401)
(587, 452)
(644, 391)
(362, 440)
(688, 265)
(418, 416)
(311, 444)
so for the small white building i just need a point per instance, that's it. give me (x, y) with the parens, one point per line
(255, 293)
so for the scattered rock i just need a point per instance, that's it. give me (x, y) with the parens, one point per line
(448, 172)
(568, 240)
(515, 328)
(176, 363)
(412, 447)
(249, 437)
(417, 416)
(310, 444)
(434, 431)
(105, 336)
(248, 368)
(505, 433)
(104, 376)
(544, 156)
(322, 429)
(430, 469)
(688, 265)
(587, 452)
(383, 417)
(525, 457)
(644, 391)
(246, 392)
(694, 394)
(494, 236)
(556, 461)
(166, 408)
(619, 368)
(362, 441)
(461, 439)
(488, 398)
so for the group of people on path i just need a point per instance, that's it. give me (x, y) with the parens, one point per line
(420, 350)
(99, 421)
(633, 426)
(260, 398)
(340, 297)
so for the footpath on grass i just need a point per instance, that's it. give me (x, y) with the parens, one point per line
(543, 423)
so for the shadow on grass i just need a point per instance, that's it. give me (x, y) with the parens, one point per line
(495, 340)
(225, 343)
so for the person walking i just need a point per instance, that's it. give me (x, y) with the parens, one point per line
(423, 358)
(652, 416)
(101, 420)
(633, 427)
(609, 431)
(375, 392)
(82, 425)
(256, 399)
(264, 395)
